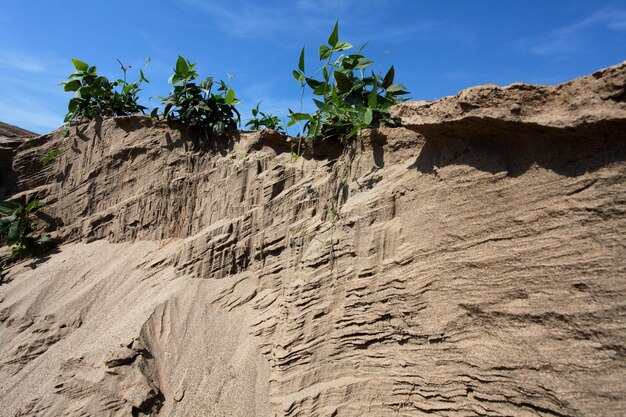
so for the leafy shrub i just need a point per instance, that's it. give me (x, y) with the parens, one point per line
(16, 228)
(95, 95)
(350, 100)
(196, 105)
(261, 119)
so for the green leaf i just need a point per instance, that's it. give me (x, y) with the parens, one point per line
(388, 80)
(313, 83)
(301, 61)
(334, 36)
(300, 116)
(207, 84)
(325, 52)
(396, 88)
(362, 47)
(182, 66)
(32, 206)
(45, 239)
(230, 96)
(320, 90)
(142, 77)
(8, 219)
(14, 232)
(8, 207)
(298, 76)
(343, 82)
(102, 81)
(372, 100)
(363, 62)
(72, 85)
(72, 105)
(80, 65)
(320, 105)
(342, 46)
(179, 78)
(369, 116)
(18, 251)
(50, 156)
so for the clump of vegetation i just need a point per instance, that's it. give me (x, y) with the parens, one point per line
(16, 227)
(349, 100)
(196, 104)
(260, 120)
(96, 95)
(349, 96)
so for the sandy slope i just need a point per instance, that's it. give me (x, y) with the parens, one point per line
(475, 267)
(87, 316)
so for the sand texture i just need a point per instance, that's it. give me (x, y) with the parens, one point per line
(470, 263)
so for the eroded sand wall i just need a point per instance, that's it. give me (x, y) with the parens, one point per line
(468, 264)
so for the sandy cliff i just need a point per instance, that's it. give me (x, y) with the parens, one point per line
(470, 263)
(10, 138)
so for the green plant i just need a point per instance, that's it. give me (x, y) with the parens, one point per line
(95, 95)
(350, 99)
(47, 158)
(196, 105)
(261, 119)
(16, 227)
(3, 271)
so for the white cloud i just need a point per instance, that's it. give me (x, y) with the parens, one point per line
(29, 113)
(280, 25)
(20, 61)
(247, 20)
(29, 95)
(567, 39)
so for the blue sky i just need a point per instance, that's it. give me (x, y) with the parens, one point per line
(437, 47)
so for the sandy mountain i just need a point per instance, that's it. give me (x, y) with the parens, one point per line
(470, 263)
(10, 131)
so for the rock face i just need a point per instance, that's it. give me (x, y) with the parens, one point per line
(470, 263)
(10, 138)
